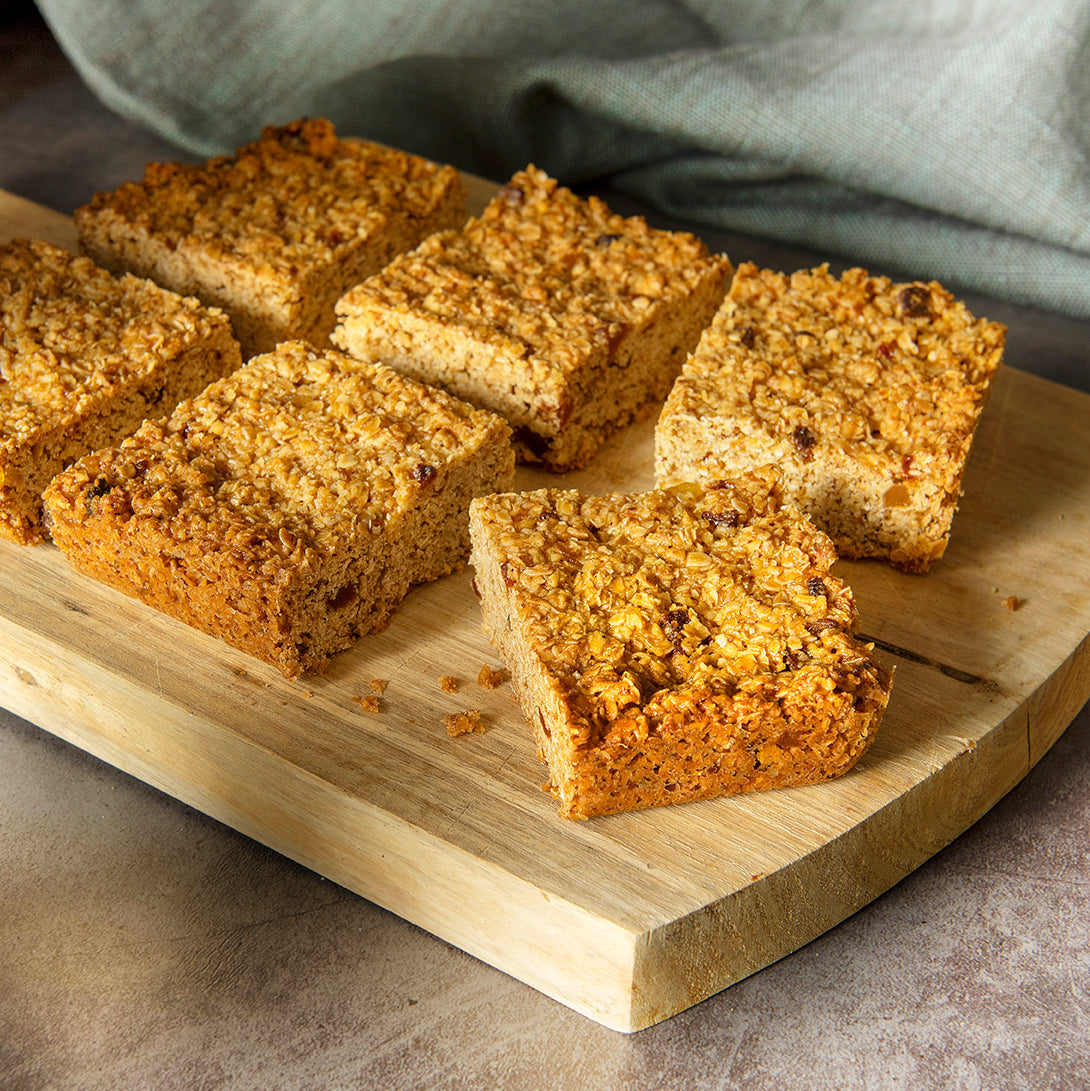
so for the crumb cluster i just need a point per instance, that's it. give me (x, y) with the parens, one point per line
(463, 723)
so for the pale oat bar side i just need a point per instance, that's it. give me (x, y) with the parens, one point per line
(677, 644)
(565, 318)
(290, 507)
(277, 231)
(85, 357)
(864, 393)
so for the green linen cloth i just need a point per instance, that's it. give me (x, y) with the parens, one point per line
(929, 138)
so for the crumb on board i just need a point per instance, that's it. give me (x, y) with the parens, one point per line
(490, 679)
(448, 683)
(368, 703)
(1012, 602)
(378, 685)
(462, 723)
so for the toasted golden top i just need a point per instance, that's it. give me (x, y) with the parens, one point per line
(647, 605)
(300, 449)
(544, 271)
(298, 194)
(883, 372)
(71, 334)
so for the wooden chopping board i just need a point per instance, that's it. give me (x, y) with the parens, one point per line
(630, 918)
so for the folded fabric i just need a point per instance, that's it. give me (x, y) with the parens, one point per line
(926, 139)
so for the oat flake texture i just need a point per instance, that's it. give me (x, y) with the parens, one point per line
(675, 645)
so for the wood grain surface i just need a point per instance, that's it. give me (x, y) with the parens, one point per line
(630, 918)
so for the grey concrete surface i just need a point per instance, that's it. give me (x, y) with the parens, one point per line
(145, 945)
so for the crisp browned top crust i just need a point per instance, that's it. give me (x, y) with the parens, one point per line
(299, 450)
(72, 333)
(543, 270)
(891, 375)
(650, 608)
(299, 194)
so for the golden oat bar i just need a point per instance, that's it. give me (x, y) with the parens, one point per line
(677, 644)
(277, 232)
(290, 507)
(84, 358)
(864, 393)
(568, 320)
